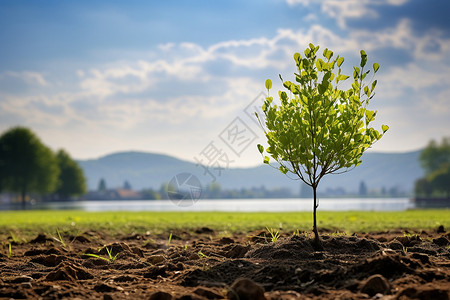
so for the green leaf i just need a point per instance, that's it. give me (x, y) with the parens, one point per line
(297, 57)
(363, 58)
(319, 64)
(268, 84)
(365, 74)
(260, 148)
(356, 72)
(340, 61)
(341, 77)
(283, 169)
(374, 84)
(366, 90)
(369, 115)
(328, 54)
(376, 67)
(307, 52)
(384, 128)
(322, 88)
(266, 160)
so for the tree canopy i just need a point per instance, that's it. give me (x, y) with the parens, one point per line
(71, 181)
(435, 160)
(26, 165)
(435, 155)
(319, 128)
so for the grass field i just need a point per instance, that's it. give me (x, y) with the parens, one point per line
(28, 223)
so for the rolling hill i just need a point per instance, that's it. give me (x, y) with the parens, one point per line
(150, 170)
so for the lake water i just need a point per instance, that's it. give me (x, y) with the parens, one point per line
(237, 205)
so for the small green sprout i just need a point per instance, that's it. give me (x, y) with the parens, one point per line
(275, 234)
(60, 239)
(201, 255)
(185, 246)
(9, 250)
(170, 239)
(110, 257)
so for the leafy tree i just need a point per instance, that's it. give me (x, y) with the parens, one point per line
(71, 178)
(435, 160)
(318, 128)
(27, 165)
(435, 155)
(102, 185)
(423, 187)
(440, 179)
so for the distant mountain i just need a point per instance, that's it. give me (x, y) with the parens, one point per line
(144, 170)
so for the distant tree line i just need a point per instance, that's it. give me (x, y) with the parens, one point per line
(215, 191)
(28, 167)
(435, 160)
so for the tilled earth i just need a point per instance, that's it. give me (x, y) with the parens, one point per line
(209, 265)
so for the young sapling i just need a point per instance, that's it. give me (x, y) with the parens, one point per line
(318, 128)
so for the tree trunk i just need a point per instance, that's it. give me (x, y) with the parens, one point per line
(317, 244)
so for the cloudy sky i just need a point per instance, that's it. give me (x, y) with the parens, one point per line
(177, 77)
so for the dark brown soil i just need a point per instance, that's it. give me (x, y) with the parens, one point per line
(207, 265)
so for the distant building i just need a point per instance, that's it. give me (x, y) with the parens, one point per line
(113, 194)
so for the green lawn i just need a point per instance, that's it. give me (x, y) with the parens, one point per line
(28, 223)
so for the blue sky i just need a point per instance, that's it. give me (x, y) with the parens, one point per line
(95, 77)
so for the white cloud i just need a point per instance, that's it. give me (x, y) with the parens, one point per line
(343, 10)
(28, 77)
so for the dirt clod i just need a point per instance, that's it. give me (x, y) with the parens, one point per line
(160, 296)
(441, 241)
(245, 289)
(376, 284)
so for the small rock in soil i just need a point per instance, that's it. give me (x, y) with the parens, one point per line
(441, 229)
(160, 296)
(376, 284)
(245, 289)
(156, 259)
